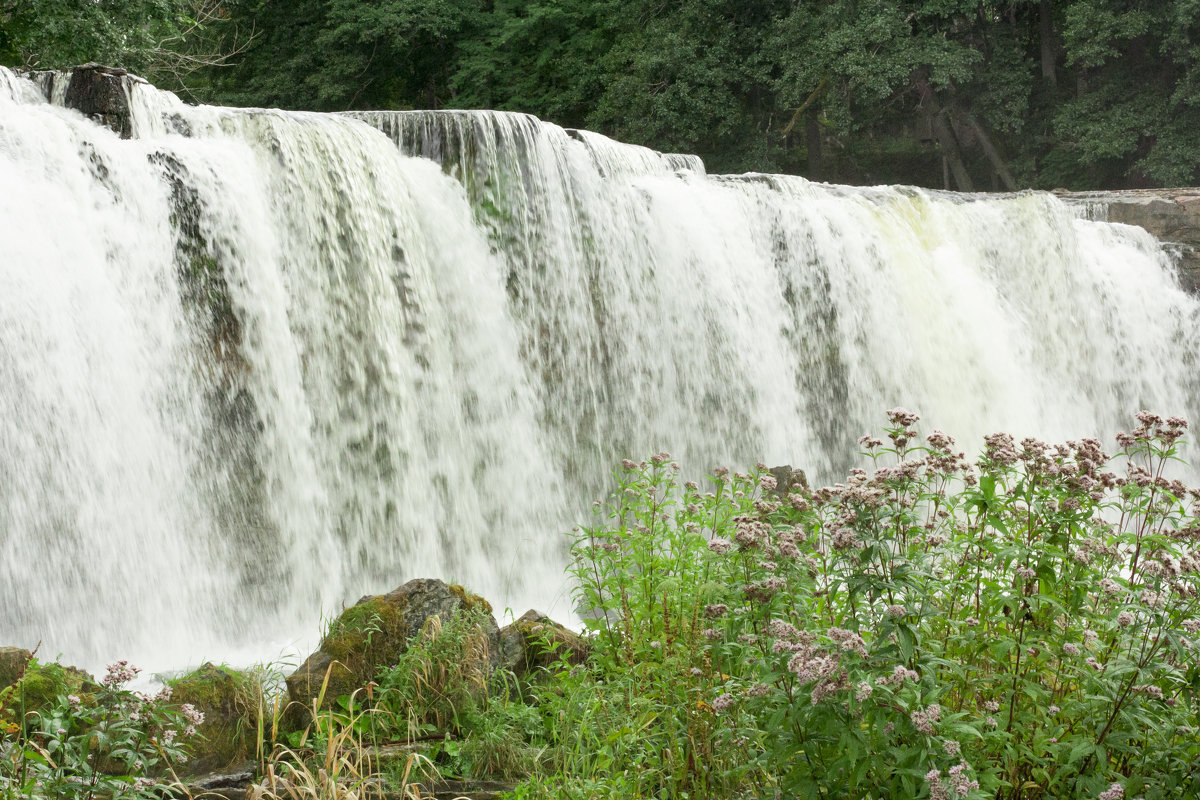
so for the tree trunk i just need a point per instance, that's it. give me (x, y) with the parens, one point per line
(945, 136)
(1046, 29)
(812, 133)
(949, 145)
(993, 155)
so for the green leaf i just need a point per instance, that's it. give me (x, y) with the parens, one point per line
(908, 641)
(1079, 751)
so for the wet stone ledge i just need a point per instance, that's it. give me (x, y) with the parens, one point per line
(1170, 215)
(102, 93)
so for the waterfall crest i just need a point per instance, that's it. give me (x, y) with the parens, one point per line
(254, 364)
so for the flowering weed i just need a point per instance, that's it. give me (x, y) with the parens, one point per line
(104, 742)
(1024, 626)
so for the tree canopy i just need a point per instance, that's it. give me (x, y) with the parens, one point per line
(969, 94)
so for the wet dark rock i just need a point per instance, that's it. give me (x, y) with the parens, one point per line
(465, 790)
(102, 93)
(534, 641)
(788, 480)
(219, 783)
(12, 664)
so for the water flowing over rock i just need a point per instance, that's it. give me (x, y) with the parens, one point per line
(101, 93)
(252, 361)
(1171, 215)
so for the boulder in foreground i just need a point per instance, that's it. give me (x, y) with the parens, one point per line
(373, 634)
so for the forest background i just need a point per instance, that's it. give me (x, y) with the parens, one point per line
(961, 94)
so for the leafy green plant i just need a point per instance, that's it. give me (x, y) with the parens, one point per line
(113, 744)
(441, 678)
(1020, 627)
(503, 741)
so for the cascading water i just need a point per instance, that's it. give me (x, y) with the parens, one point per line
(254, 364)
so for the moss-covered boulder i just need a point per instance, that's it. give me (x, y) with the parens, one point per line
(40, 685)
(535, 641)
(231, 703)
(373, 633)
(12, 664)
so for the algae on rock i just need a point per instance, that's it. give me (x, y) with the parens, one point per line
(372, 635)
(232, 703)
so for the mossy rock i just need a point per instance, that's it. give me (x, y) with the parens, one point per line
(371, 631)
(534, 641)
(231, 703)
(12, 664)
(470, 602)
(41, 685)
(372, 634)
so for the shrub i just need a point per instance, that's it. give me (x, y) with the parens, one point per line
(1020, 627)
(109, 743)
(440, 680)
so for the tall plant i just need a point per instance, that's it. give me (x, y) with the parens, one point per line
(1020, 627)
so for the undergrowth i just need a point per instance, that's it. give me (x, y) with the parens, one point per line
(1023, 626)
(1020, 627)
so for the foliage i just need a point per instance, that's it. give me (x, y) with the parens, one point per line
(1024, 627)
(332, 761)
(1013, 94)
(1021, 93)
(338, 54)
(440, 679)
(109, 745)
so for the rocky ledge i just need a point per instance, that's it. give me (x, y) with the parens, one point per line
(1170, 215)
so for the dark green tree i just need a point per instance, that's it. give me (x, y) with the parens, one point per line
(347, 54)
(967, 94)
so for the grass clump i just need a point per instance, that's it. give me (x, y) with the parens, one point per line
(1023, 627)
(332, 759)
(445, 687)
(442, 679)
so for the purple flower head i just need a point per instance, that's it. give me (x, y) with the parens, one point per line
(902, 418)
(720, 546)
(119, 673)
(715, 610)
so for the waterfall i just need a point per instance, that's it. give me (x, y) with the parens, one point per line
(255, 364)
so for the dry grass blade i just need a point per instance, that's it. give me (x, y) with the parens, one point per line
(340, 767)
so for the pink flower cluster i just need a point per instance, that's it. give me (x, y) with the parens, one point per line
(120, 673)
